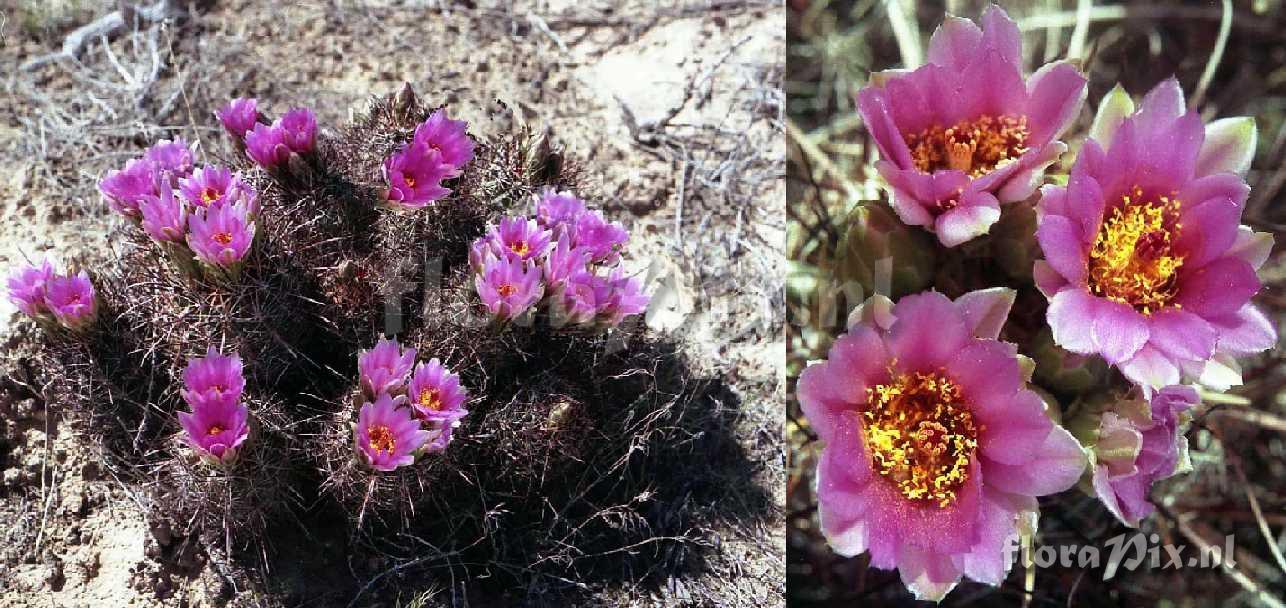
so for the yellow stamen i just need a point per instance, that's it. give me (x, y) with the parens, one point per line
(410, 181)
(209, 195)
(520, 248)
(1133, 260)
(921, 436)
(382, 439)
(222, 238)
(429, 399)
(214, 430)
(972, 146)
(506, 290)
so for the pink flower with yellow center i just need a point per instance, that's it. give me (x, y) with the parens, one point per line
(415, 175)
(965, 133)
(388, 436)
(519, 238)
(1145, 262)
(221, 236)
(217, 429)
(449, 138)
(933, 446)
(508, 288)
(72, 300)
(436, 395)
(27, 287)
(214, 186)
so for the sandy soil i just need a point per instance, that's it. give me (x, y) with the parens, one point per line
(675, 111)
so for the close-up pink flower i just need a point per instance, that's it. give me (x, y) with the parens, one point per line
(1139, 443)
(563, 261)
(965, 133)
(519, 238)
(266, 145)
(435, 393)
(214, 378)
(221, 236)
(558, 211)
(171, 159)
(388, 436)
(27, 285)
(583, 296)
(601, 238)
(450, 138)
(508, 287)
(1146, 263)
(214, 186)
(217, 429)
(239, 116)
(933, 445)
(72, 300)
(383, 369)
(627, 299)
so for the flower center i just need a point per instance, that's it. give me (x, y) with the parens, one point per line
(520, 248)
(506, 290)
(921, 436)
(222, 238)
(209, 195)
(1133, 260)
(410, 180)
(429, 399)
(382, 439)
(974, 146)
(214, 430)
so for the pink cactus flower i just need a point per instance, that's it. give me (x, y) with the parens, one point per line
(563, 261)
(299, 130)
(1145, 262)
(933, 445)
(27, 288)
(583, 296)
(1139, 444)
(72, 300)
(221, 236)
(603, 239)
(165, 217)
(214, 186)
(266, 145)
(435, 393)
(558, 211)
(627, 299)
(217, 429)
(508, 288)
(964, 133)
(415, 175)
(520, 239)
(170, 158)
(213, 379)
(483, 250)
(388, 436)
(383, 369)
(127, 188)
(449, 138)
(239, 116)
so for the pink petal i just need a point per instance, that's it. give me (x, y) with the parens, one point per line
(985, 310)
(1056, 92)
(1182, 334)
(990, 559)
(1000, 33)
(1211, 228)
(1220, 288)
(987, 372)
(1150, 368)
(1064, 248)
(968, 221)
(1227, 186)
(1071, 317)
(873, 106)
(1048, 281)
(1119, 331)
(928, 332)
(954, 43)
(929, 575)
(1015, 428)
(1247, 332)
(1056, 466)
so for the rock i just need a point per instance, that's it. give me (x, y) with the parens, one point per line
(12, 477)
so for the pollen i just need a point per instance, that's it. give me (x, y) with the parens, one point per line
(921, 436)
(506, 290)
(1133, 260)
(410, 181)
(973, 146)
(520, 248)
(222, 238)
(209, 195)
(429, 399)
(214, 430)
(382, 439)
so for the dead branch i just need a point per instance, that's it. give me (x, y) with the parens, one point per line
(105, 27)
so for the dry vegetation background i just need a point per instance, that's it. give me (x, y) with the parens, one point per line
(1239, 483)
(675, 108)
